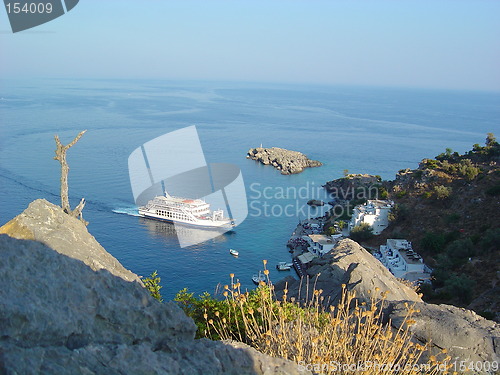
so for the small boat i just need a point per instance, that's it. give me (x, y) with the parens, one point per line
(284, 266)
(258, 278)
(234, 252)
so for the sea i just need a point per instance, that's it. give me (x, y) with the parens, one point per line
(362, 129)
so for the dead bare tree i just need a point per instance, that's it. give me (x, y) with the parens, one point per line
(61, 156)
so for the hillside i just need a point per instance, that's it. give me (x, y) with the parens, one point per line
(449, 208)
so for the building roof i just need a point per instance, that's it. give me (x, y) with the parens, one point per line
(306, 257)
(321, 239)
(403, 246)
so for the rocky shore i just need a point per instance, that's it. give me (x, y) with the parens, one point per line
(286, 161)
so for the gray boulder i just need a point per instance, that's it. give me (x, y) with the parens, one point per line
(466, 336)
(77, 310)
(350, 264)
(47, 223)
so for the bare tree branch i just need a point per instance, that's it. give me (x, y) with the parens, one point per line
(61, 157)
(77, 212)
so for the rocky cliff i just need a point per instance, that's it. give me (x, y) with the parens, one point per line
(76, 310)
(354, 186)
(466, 335)
(286, 161)
(352, 265)
(47, 223)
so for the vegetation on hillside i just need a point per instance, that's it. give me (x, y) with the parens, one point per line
(362, 232)
(310, 335)
(448, 207)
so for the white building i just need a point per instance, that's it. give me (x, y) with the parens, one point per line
(374, 212)
(320, 244)
(399, 257)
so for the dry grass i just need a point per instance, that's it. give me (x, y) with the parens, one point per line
(410, 284)
(323, 341)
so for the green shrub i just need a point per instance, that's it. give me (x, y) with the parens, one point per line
(451, 236)
(462, 287)
(432, 164)
(361, 232)
(383, 193)
(399, 212)
(442, 192)
(490, 140)
(490, 240)
(342, 224)
(445, 155)
(459, 250)
(449, 167)
(433, 242)
(453, 218)
(493, 191)
(402, 193)
(468, 170)
(152, 283)
(476, 147)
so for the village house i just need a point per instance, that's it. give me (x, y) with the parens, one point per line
(398, 256)
(375, 213)
(320, 244)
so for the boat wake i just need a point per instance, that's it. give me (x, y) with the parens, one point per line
(131, 211)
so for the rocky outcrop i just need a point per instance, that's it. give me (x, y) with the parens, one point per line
(315, 202)
(286, 161)
(466, 336)
(60, 316)
(47, 223)
(352, 265)
(346, 188)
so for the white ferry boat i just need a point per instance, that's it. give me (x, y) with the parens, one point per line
(186, 211)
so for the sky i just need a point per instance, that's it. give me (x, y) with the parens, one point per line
(429, 44)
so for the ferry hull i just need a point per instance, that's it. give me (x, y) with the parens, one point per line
(200, 224)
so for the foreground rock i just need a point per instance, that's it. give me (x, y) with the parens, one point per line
(286, 161)
(352, 265)
(59, 316)
(466, 335)
(47, 223)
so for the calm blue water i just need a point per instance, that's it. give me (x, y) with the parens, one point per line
(377, 131)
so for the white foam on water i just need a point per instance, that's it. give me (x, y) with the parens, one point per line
(131, 211)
